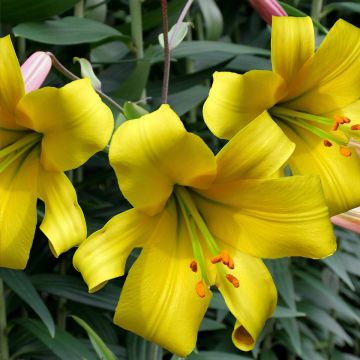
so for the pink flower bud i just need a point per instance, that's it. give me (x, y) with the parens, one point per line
(35, 69)
(349, 220)
(267, 9)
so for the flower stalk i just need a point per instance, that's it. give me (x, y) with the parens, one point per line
(4, 347)
(165, 88)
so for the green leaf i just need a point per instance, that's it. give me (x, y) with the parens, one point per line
(210, 324)
(17, 11)
(141, 349)
(335, 262)
(101, 349)
(292, 329)
(64, 345)
(345, 5)
(292, 11)
(73, 288)
(283, 312)
(21, 285)
(213, 19)
(188, 48)
(88, 72)
(215, 355)
(175, 39)
(133, 110)
(67, 31)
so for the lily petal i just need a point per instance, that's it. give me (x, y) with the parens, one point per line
(75, 122)
(257, 151)
(340, 176)
(253, 302)
(102, 256)
(18, 193)
(330, 79)
(270, 218)
(292, 43)
(160, 288)
(234, 100)
(64, 222)
(12, 85)
(153, 153)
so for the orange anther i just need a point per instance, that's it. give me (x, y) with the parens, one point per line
(231, 264)
(200, 289)
(335, 126)
(225, 257)
(216, 259)
(233, 280)
(346, 120)
(355, 127)
(327, 143)
(193, 266)
(345, 151)
(339, 119)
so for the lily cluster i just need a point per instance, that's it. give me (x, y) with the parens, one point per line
(204, 221)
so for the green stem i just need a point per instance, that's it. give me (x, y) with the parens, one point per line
(316, 7)
(63, 70)
(79, 9)
(4, 347)
(165, 88)
(137, 31)
(21, 48)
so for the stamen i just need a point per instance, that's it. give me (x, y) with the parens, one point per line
(335, 126)
(225, 257)
(193, 266)
(200, 289)
(345, 151)
(346, 120)
(339, 119)
(233, 280)
(355, 127)
(231, 264)
(216, 259)
(327, 143)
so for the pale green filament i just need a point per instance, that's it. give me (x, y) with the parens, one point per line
(13, 151)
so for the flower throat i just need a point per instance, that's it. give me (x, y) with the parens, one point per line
(339, 133)
(196, 225)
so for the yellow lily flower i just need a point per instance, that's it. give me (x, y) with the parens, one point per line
(43, 134)
(312, 96)
(202, 220)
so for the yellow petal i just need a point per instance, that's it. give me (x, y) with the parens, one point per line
(234, 100)
(75, 122)
(102, 256)
(292, 43)
(270, 218)
(158, 300)
(64, 222)
(12, 84)
(331, 78)
(253, 302)
(340, 175)
(257, 151)
(153, 153)
(18, 194)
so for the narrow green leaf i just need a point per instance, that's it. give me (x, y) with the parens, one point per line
(101, 349)
(64, 345)
(133, 110)
(141, 349)
(210, 324)
(214, 22)
(19, 282)
(345, 5)
(283, 312)
(292, 329)
(88, 72)
(216, 355)
(17, 11)
(67, 31)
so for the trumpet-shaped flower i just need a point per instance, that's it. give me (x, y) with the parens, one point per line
(202, 220)
(43, 134)
(313, 97)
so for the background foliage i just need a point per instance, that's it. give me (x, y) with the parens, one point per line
(49, 312)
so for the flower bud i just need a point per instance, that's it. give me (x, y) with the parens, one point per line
(35, 69)
(267, 9)
(349, 220)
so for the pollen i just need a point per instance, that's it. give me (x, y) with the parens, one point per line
(200, 289)
(225, 258)
(234, 281)
(355, 127)
(327, 143)
(345, 151)
(193, 266)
